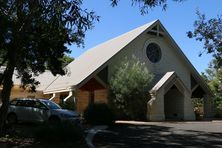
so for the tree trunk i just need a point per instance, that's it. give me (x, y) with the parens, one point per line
(5, 95)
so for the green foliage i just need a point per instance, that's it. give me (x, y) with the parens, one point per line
(99, 114)
(213, 77)
(216, 86)
(35, 33)
(70, 105)
(34, 36)
(198, 107)
(210, 33)
(146, 5)
(197, 102)
(59, 132)
(66, 60)
(128, 89)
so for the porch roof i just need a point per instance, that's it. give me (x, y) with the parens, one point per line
(166, 79)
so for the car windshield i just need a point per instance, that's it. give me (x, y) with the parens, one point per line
(50, 104)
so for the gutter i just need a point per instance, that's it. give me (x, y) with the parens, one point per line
(53, 96)
(70, 95)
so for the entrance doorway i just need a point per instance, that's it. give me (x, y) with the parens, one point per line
(174, 104)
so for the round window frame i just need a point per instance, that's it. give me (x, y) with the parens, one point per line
(159, 51)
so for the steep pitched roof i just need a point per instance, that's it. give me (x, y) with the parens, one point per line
(93, 58)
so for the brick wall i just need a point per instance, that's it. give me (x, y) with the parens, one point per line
(18, 92)
(57, 98)
(82, 98)
(101, 95)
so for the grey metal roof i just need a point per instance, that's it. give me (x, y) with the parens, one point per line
(45, 79)
(93, 58)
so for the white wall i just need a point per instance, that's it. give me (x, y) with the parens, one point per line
(170, 60)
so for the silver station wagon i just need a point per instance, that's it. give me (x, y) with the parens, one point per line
(39, 110)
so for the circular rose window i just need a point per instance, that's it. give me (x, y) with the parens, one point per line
(153, 52)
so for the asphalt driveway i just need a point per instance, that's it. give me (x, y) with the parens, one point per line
(161, 134)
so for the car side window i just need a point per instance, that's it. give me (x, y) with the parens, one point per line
(21, 103)
(39, 105)
(14, 102)
(30, 103)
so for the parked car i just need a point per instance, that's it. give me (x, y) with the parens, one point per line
(39, 110)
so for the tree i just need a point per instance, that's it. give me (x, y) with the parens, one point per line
(128, 89)
(213, 76)
(66, 60)
(210, 33)
(146, 5)
(33, 34)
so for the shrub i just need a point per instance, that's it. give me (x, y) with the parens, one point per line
(64, 131)
(218, 111)
(218, 106)
(129, 90)
(98, 114)
(70, 105)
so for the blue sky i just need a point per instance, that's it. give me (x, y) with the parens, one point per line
(177, 19)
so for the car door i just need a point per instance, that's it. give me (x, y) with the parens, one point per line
(23, 110)
(40, 112)
(29, 106)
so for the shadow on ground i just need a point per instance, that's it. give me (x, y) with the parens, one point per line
(22, 136)
(132, 136)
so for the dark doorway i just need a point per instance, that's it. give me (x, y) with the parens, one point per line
(174, 104)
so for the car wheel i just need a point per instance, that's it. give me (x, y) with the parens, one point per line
(12, 118)
(54, 119)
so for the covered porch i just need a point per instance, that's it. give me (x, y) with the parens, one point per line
(93, 90)
(170, 100)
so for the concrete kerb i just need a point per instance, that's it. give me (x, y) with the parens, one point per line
(92, 132)
(161, 122)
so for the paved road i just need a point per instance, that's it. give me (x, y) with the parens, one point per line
(161, 134)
